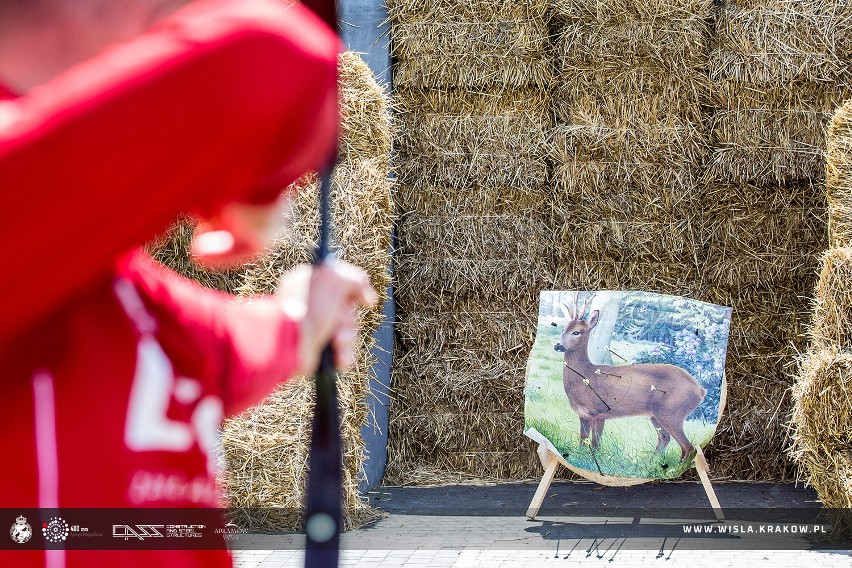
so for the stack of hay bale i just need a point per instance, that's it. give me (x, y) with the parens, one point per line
(629, 143)
(471, 83)
(822, 416)
(266, 448)
(778, 69)
(684, 158)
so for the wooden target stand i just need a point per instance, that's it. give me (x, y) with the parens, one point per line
(551, 459)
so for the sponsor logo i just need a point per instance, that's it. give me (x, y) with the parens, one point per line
(21, 531)
(230, 530)
(140, 532)
(55, 530)
(185, 531)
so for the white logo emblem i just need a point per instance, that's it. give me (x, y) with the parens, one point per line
(137, 531)
(21, 531)
(56, 530)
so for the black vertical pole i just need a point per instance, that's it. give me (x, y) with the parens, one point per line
(323, 517)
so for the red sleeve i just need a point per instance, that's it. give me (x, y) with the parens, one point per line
(228, 100)
(241, 350)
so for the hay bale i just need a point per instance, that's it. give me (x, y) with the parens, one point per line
(461, 139)
(453, 432)
(764, 197)
(832, 319)
(674, 44)
(632, 71)
(530, 104)
(648, 93)
(450, 201)
(680, 278)
(628, 140)
(822, 430)
(465, 10)
(489, 336)
(775, 143)
(767, 146)
(480, 50)
(839, 176)
(496, 283)
(779, 41)
(746, 232)
(599, 189)
(477, 286)
(468, 45)
(779, 69)
(459, 379)
(366, 131)
(621, 10)
(831, 476)
(473, 236)
(822, 416)
(636, 240)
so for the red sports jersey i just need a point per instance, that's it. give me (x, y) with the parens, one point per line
(127, 404)
(225, 100)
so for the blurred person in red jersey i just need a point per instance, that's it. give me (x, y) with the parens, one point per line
(115, 117)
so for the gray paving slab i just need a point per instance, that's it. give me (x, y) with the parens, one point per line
(579, 523)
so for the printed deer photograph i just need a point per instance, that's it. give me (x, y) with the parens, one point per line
(627, 383)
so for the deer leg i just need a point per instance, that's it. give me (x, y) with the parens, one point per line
(675, 428)
(584, 429)
(597, 431)
(663, 436)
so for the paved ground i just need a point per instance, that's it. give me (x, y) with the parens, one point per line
(635, 527)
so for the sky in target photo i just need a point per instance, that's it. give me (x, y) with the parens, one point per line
(644, 370)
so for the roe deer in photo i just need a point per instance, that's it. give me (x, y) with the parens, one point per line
(664, 393)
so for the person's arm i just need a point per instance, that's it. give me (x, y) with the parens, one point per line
(253, 347)
(225, 101)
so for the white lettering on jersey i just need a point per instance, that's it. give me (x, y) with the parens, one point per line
(148, 426)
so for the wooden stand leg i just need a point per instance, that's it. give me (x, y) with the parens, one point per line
(543, 486)
(702, 468)
(543, 455)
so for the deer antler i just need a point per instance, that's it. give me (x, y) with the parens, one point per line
(586, 305)
(576, 300)
(566, 310)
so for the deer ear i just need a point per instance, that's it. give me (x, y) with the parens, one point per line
(593, 318)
